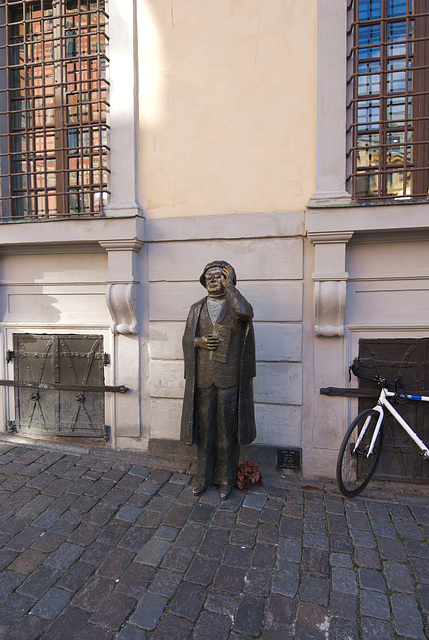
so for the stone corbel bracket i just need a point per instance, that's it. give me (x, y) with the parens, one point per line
(121, 300)
(329, 307)
(122, 284)
(330, 279)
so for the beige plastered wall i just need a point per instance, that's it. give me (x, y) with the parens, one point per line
(227, 115)
(227, 106)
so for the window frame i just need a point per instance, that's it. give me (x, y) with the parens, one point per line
(90, 154)
(374, 181)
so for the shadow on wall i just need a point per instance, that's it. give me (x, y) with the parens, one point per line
(152, 69)
(30, 308)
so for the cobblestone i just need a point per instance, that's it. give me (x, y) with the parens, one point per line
(373, 629)
(375, 605)
(132, 633)
(67, 625)
(316, 540)
(257, 581)
(290, 549)
(212, 626)
(243, 535)
(286, 579)
(135, 580)
(24, 539)
(188, 601)
(172, 628)
(93, 592)
(9, 580)
(213, 543)
(382, 528)
(153, 552)
(177, 559)
(407, 619)
(237, 556)
(391, 549)
(365, 557)
(202, 571)
(344, 580)
(249, 615)
(64, 557)
(363, 538)
(312, 622)
(229, 579)
(316, 562)
(399, 577)
(52, 603)
(76, 576)
(149, 611)
(343, 605)
(341, 544)
(372, 580)
(107, 546)
(39, 582)
(264, 555)
(114, 565)
(113, 611)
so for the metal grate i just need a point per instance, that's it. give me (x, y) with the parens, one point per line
(54, 135)
(388, 106)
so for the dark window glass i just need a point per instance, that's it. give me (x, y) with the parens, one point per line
(388, 107)
(54, 153)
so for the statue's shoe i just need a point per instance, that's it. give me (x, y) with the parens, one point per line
(225, 491)
(198, 489)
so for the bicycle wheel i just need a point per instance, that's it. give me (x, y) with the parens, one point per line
(354, 469)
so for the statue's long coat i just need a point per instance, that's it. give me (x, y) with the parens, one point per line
(246, 416)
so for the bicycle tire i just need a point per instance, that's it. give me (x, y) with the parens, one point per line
(354, 471)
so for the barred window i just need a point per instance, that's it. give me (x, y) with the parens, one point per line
(54, 152)
(388, 108)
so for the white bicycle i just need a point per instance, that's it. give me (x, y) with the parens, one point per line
(361, 446)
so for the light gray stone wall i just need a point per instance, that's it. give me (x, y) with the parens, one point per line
(270, 274)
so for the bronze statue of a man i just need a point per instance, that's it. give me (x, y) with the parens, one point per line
(219, 353)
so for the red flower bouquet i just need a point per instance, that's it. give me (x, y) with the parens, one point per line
(248, 473)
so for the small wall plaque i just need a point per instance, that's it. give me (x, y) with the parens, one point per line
(289, 458)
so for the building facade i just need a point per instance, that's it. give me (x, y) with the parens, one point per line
(173, 133)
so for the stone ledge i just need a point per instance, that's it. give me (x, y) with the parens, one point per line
(265, 455)
(172, 449)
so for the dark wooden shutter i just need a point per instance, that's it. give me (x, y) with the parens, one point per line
(407, 357)
(67, 360)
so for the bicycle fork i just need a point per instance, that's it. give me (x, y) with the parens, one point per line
(370, 450)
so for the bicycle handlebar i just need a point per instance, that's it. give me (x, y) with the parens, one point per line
(382, 382)
(395, 386)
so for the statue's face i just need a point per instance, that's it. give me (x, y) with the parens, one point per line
(214, 281)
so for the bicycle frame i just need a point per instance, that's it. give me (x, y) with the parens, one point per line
(383, 402)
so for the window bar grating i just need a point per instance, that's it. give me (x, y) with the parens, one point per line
(388, 104)
(54, 133)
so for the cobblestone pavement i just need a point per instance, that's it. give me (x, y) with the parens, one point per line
(98, 545)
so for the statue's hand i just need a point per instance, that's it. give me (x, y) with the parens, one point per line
(207, 342)
(226, 276)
